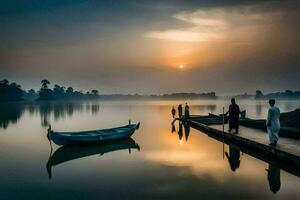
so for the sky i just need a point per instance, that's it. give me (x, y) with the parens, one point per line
(152, 46)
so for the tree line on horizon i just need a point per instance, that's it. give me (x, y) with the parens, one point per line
(14, 92)
(287, 94)
(61, 92)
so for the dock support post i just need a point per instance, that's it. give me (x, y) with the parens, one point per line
(223, 132)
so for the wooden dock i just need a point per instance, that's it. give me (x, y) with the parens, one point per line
(286, 155)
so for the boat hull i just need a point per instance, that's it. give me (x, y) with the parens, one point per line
(93, 136)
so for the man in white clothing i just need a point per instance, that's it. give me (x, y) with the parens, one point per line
(273, 123)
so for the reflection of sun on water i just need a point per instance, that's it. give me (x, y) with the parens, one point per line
(181, 142)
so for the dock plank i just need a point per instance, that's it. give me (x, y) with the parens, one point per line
(289, 145)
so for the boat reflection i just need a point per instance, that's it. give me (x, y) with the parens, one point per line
(73, 152)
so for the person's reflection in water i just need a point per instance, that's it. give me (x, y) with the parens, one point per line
(233, 158)
(173, 128)
(258, 108)
(179, 110)
(186, 131)
(173, 111)
(274, 178)
(180, 134)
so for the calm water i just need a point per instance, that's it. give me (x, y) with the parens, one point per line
(166, 167)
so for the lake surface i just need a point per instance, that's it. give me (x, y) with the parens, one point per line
(167, 166)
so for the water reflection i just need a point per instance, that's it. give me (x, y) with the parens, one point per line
(233, 157)
(59, 111)
(173, 128)
(73, 152)
(10, 113)
(94, 108)
(204, 108)
(258, 108)
(274, 178)
(182, 126)
(173, 171)
(180, 130)
(186, 131)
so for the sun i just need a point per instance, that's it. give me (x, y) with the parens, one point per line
(181, 66)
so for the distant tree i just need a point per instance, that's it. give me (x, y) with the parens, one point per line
(30, 95)
(45, 93)
(4, 82)
(15, 85)
(289, 92)
(69, 90)
(45, 83)
(58, 91)
(10, 92)
(95, 92)
(31, 91)
(258, 94)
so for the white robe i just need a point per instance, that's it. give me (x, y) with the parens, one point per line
(273, 120)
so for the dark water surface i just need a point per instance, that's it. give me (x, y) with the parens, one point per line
(168, 165)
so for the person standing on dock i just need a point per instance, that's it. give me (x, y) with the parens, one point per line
(187, 111)
(234, 116)
(180, 111)
(173, 112)
(273, 123)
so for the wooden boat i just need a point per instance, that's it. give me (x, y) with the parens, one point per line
(92, 136)
(73, 152)
(210, 119)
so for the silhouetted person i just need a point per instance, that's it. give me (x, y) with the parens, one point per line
(180, 111)
(173, 112)
(187, 111)
(274, 178)
(234, 116)
(273, 123)
(186, 131)
(233, 158)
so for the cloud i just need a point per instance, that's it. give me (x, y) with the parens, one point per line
(202, 29)
(186, 35)
(235, 24)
